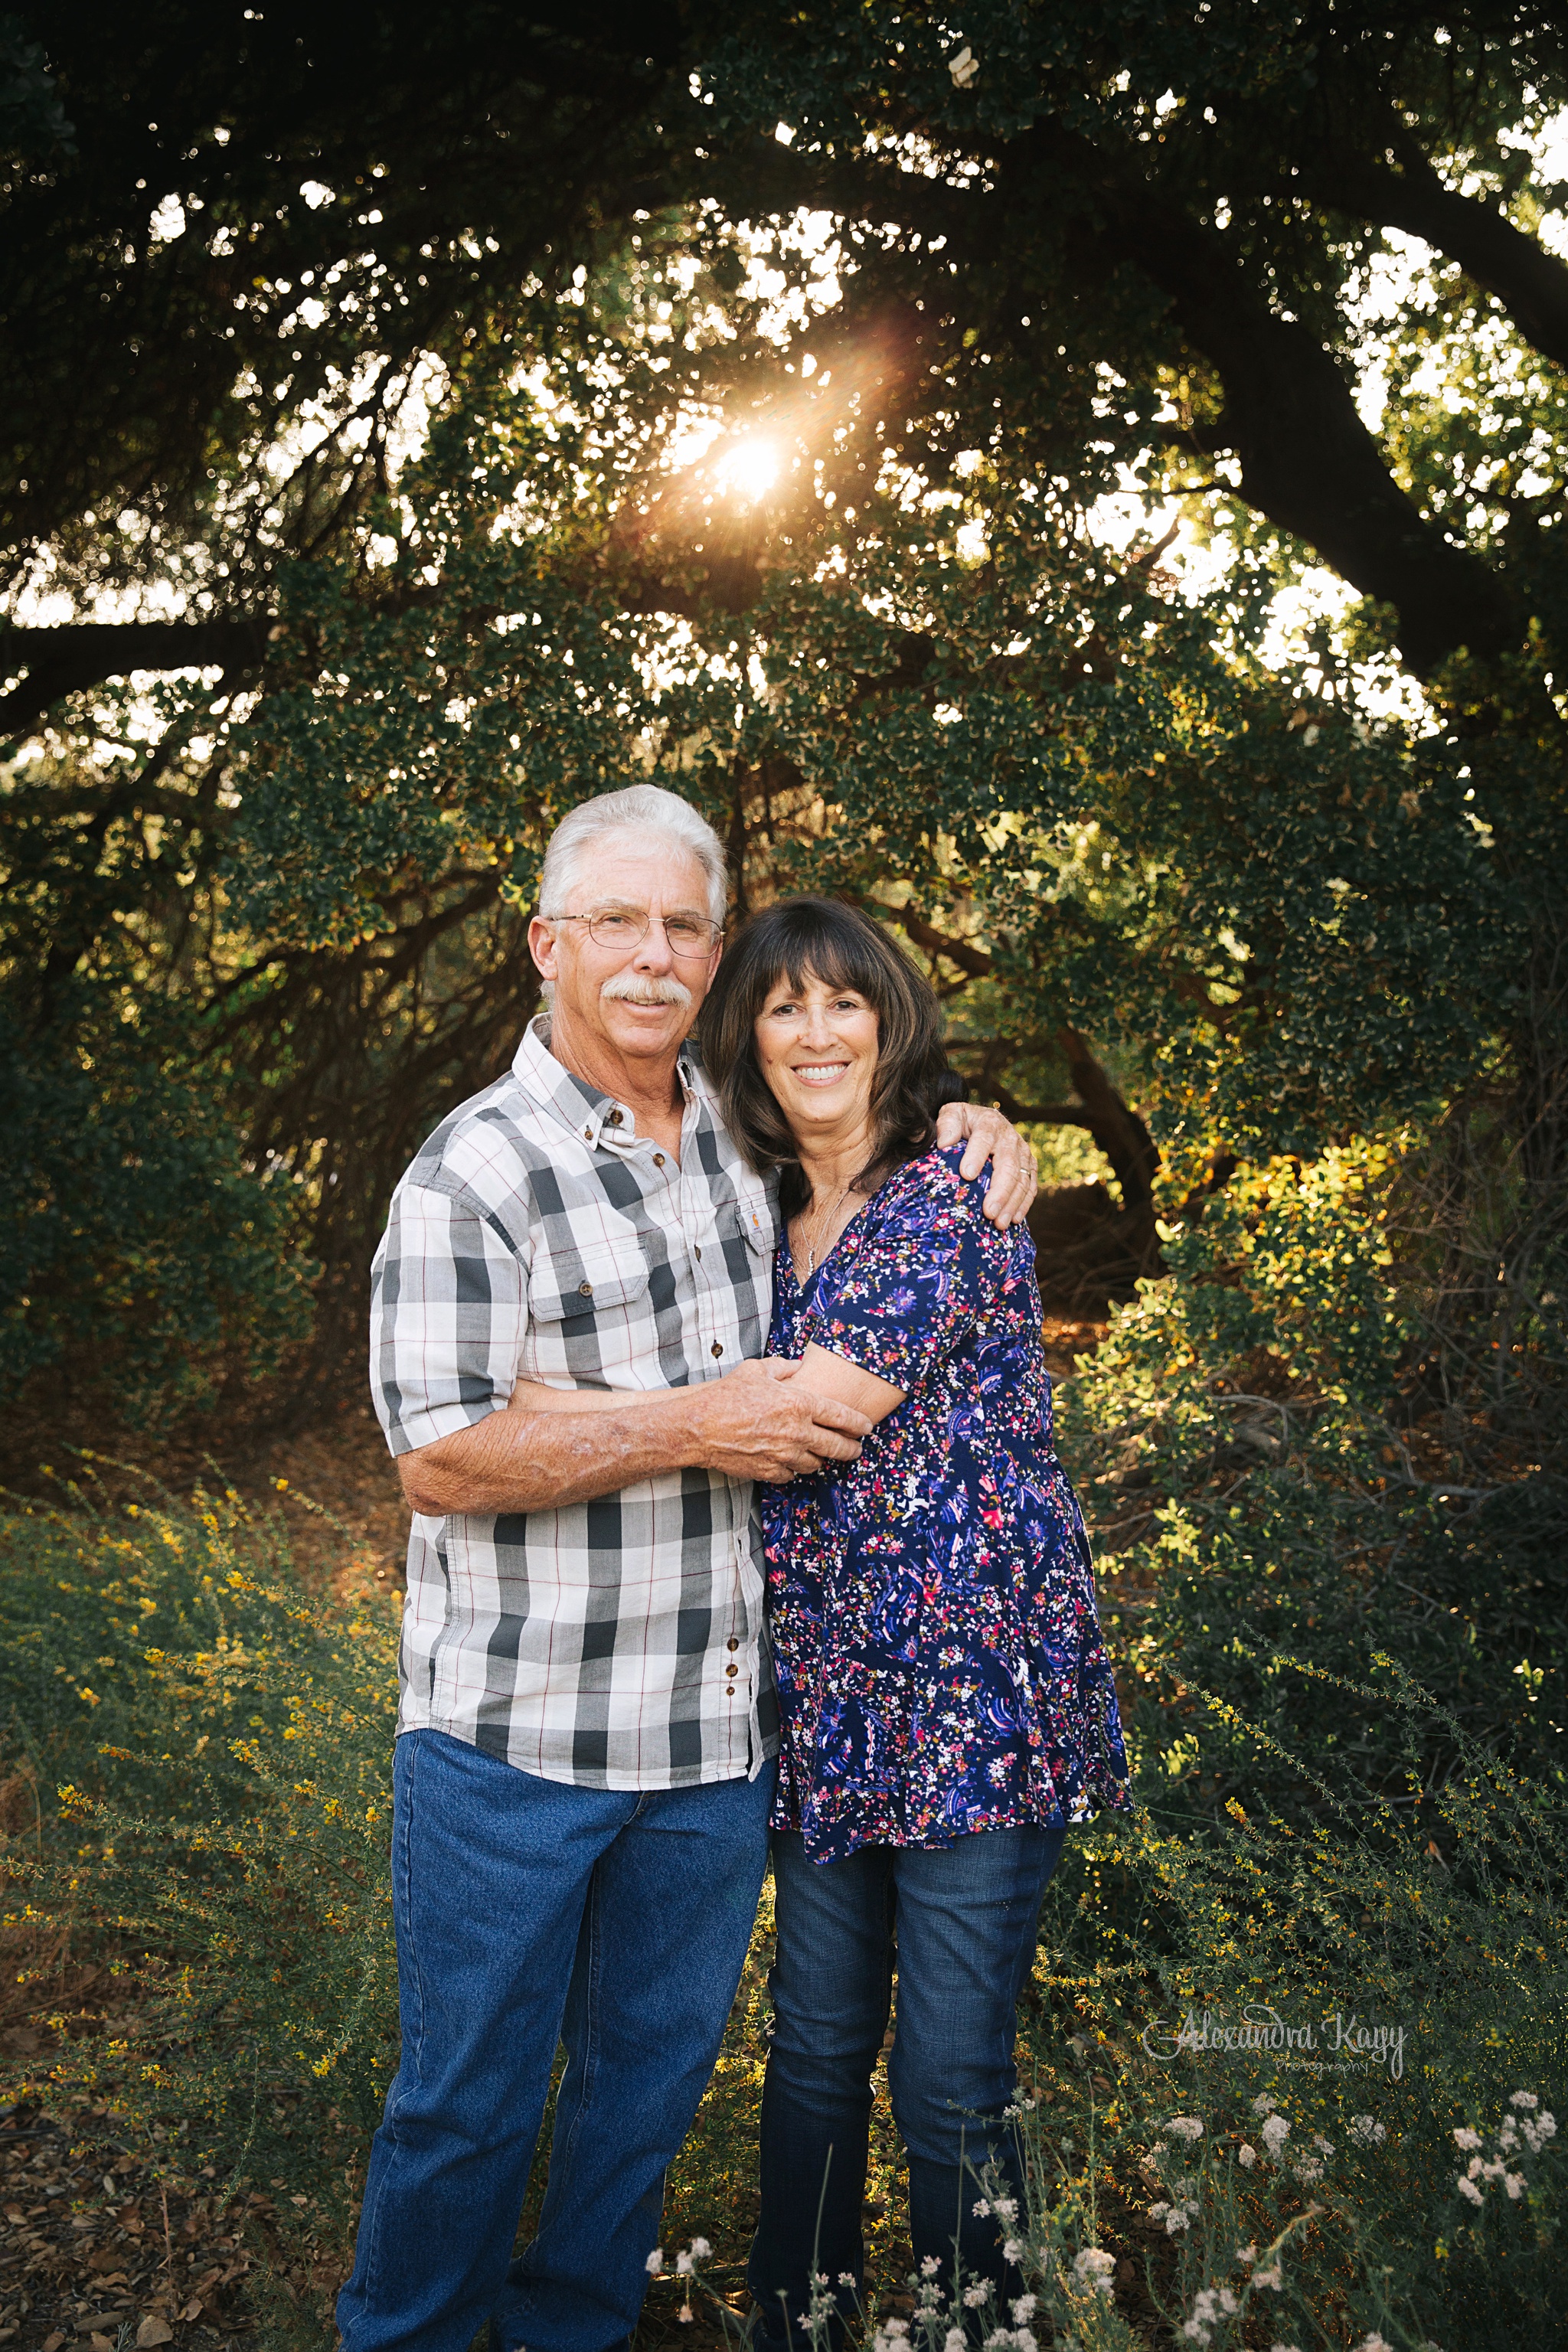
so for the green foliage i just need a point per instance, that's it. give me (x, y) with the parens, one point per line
(1247, 1445)
(219, 1747)
(132, 1230)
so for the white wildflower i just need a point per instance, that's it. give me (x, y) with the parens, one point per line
(1014, 2250)
(1467, 2189)
(974, 2295)
(956, 2340)
(701, 2250)
(1247, 2156)
(1024, 2308)
(963, 67)
(1275, 2132)
(686, 2314)
(1368, 2130)
(683, 2265)
(1273, 2278)
(1309, 2170)
(1023, 2337)
(1247, 2254)
(1005, 2209)
(1094, 2270)
(1178, 2218)
(1263, 2104)
(1284, 2347)
(1327, 2145)
(1187, 2128)
(929, 2267)
(1514, 2183)
(982, 2207)
(1376, 2343)
(1524, 2099)
(654, 2262)
(1158, 2213)
(1465, 2139)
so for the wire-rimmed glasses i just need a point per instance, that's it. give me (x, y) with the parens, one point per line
(689, 937)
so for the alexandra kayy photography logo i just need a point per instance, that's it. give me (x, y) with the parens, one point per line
(1338, 2043)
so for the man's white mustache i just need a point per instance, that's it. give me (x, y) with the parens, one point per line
(645, 988)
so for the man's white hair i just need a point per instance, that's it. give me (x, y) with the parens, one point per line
(642, 808)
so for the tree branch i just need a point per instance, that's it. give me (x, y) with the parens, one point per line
(1530, 283)
(1308, 462)
(63, 660)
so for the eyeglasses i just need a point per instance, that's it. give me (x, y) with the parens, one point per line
(688, 936)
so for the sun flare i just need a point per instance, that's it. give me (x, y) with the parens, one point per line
(749, 470)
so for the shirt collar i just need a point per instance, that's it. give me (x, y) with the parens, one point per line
(591, 1116)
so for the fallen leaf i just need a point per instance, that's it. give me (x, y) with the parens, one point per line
(154, 2330)
(101, 2343)
(52, 2343)
(193, 2309)
(299, 2201)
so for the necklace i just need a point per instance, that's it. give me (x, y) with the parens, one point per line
(821, 1227)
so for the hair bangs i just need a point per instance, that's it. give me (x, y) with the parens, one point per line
(822, 939)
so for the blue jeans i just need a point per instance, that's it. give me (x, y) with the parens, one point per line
(528, 1912)
(962, 1921)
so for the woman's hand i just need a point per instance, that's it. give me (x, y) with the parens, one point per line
(1015, 1179)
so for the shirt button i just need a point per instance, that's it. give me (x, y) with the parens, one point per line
(658, 1160)
(696, 1248)
(613, 1119)
(732, 1644)
(587, 1135)
(585, 1290)
(731, 1670)
(717, 1349)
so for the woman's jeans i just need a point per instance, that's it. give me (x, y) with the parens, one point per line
(962, 1922)
(527, 1911)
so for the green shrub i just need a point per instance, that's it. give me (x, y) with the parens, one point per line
(219, 1747)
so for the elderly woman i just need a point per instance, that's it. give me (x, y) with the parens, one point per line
(948, 1707)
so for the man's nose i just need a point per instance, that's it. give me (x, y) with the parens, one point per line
(653, 950)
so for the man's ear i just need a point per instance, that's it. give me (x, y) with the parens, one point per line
(542, 947)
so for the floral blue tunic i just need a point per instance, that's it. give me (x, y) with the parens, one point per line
(930, 1606)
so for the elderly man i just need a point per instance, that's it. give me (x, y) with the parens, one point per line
(583, 1762)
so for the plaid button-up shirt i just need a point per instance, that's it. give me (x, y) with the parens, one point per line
(615, 1643)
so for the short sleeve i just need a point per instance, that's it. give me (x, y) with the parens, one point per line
(927, 1266)
(448, 1303)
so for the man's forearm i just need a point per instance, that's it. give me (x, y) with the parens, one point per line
(522, 1461)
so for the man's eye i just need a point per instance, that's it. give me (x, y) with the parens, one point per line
(614, 927)
(685, 934)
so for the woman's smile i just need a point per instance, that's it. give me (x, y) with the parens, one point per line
(819, 1073)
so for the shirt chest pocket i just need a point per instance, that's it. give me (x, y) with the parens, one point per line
(746, 1233)
(589, 1318)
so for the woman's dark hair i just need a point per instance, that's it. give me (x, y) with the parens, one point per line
(842, 948)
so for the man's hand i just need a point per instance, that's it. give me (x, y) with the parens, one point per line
(762, 1420)
(1015, 1179)
(555, 1446)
